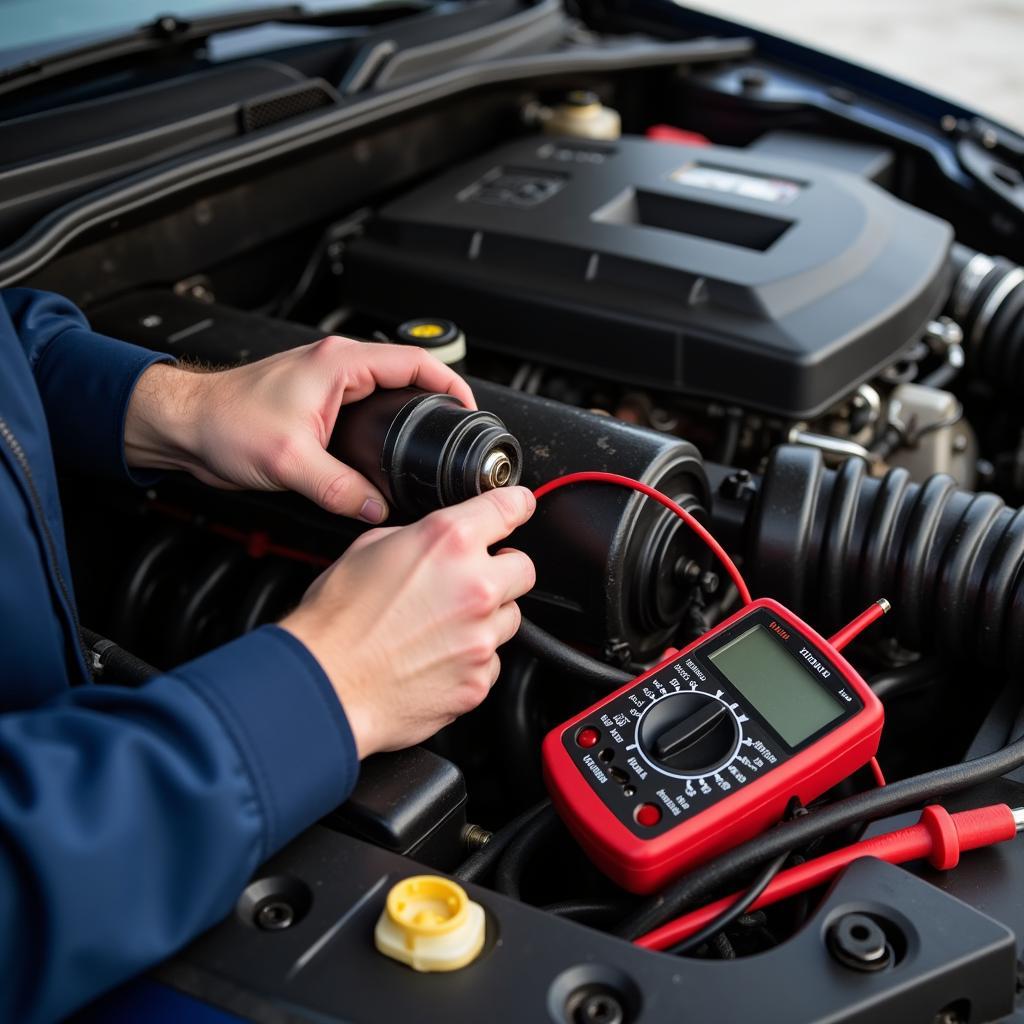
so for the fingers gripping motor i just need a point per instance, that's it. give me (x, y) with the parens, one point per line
(610, 565)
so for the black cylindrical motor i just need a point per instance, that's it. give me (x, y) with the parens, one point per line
(613, 568)
(424, 450)
(826, 543)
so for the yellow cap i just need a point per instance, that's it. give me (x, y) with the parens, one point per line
(428, 330)
(429, 923)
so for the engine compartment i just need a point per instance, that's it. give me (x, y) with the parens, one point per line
(786, 322)
(756, 281)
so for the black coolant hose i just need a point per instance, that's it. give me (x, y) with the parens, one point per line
(553, 652)
(508, 875)
(477, 866)
(681, 895)
(988, 303)
(827, 543)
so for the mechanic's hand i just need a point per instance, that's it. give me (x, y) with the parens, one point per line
(265, 426)
(406, 623)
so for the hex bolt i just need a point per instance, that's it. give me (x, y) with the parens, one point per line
(275, 916)
(858, 942)
(709, 582)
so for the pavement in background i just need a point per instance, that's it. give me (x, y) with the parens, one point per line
(968, 50)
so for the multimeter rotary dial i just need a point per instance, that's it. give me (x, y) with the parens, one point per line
(690, 733)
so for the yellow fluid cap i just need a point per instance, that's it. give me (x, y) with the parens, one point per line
(428, 330)
(429, 923)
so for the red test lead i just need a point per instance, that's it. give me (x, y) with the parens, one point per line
(939, 836)
(852, 630)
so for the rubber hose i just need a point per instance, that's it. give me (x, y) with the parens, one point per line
(590, 910)
(508, 876)
(826, 543)
(988, 303)
(549, 649)
(683, 894)
(477, 866)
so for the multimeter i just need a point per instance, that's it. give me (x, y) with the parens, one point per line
(708, 748)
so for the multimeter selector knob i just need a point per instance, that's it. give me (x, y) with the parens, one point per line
(689, 733)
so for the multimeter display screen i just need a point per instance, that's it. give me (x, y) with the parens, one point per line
(781, 690)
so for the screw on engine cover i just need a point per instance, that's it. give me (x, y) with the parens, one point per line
(600, 1007)
(275, 916)
(858, 942)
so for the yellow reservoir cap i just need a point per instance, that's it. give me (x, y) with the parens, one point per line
(429, 923)
(427, 330)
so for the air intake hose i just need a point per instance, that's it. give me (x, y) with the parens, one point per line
(988, 303)
(826, 543)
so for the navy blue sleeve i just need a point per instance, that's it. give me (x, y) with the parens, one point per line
(130, 820)
(85, 379)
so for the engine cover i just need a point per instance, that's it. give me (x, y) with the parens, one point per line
(771, 283)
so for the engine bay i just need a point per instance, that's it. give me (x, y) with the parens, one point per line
(789, 323)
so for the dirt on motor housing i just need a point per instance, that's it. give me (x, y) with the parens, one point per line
(772, 283)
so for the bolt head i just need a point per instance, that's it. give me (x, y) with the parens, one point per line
(275, 916)
(857, 941)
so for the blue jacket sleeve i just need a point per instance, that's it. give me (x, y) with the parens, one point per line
(85, 379)
(130, 820)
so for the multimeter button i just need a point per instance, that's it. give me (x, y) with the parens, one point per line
(689, 732)
(588, 736)
(647, 815)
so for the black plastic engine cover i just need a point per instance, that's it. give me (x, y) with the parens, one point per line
(773, 283)
(951, 962)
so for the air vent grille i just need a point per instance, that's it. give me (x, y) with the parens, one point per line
(285, 105)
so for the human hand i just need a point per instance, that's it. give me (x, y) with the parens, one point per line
(265, 426)
(407, 622)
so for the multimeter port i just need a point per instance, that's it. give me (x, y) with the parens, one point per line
(709, 747)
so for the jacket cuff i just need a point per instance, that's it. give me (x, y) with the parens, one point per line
(86, 381)
(276, 703)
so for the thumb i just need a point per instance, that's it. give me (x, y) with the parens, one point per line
(334, 486)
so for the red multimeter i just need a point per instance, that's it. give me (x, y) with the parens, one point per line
(707, 749)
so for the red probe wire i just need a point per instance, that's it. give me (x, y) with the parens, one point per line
(853, 629)
(595, 477)
(939, 836)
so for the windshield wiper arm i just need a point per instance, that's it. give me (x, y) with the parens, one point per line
(170, 33)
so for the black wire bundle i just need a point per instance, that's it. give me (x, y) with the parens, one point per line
(681, 895)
